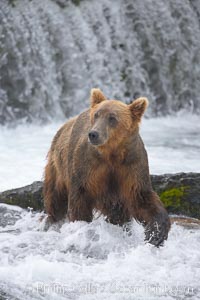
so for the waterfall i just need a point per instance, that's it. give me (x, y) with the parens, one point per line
(53, 52)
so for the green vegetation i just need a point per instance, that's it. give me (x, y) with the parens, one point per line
(176, 201)
(174, 196)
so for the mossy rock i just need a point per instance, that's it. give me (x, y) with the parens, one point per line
(173, 197)
(180, 193)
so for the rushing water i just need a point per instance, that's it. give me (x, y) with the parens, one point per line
(97, 260)
(93, 261)
(53, 52)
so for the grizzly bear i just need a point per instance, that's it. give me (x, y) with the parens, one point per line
(97, 160)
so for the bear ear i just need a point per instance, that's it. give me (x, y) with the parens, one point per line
(96, 97)
(138, 107)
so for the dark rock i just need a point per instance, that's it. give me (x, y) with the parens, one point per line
(27, 196)
(180, 194)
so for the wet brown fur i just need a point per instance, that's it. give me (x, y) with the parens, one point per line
(112, 177)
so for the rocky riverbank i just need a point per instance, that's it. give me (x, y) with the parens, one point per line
(180, 194)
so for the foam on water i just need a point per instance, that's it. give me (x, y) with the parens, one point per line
(91, 261)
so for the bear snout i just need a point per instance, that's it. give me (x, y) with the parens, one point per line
(94, 137)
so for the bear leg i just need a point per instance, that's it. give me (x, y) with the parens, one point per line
(155, 219)
(55, 195)
(80, 205)
(117, 215)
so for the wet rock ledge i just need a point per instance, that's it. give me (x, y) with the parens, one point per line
(180, 194)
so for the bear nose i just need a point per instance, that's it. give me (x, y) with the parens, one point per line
(93, 136)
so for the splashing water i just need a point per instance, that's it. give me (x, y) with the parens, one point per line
(90, 261)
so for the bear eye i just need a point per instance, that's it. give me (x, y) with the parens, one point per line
(96, 115)
(112, 120)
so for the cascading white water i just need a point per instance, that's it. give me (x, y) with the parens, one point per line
(53, 52)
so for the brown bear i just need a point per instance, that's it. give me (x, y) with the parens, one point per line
(97, 160)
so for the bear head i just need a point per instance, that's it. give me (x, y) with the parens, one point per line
(112, 121)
